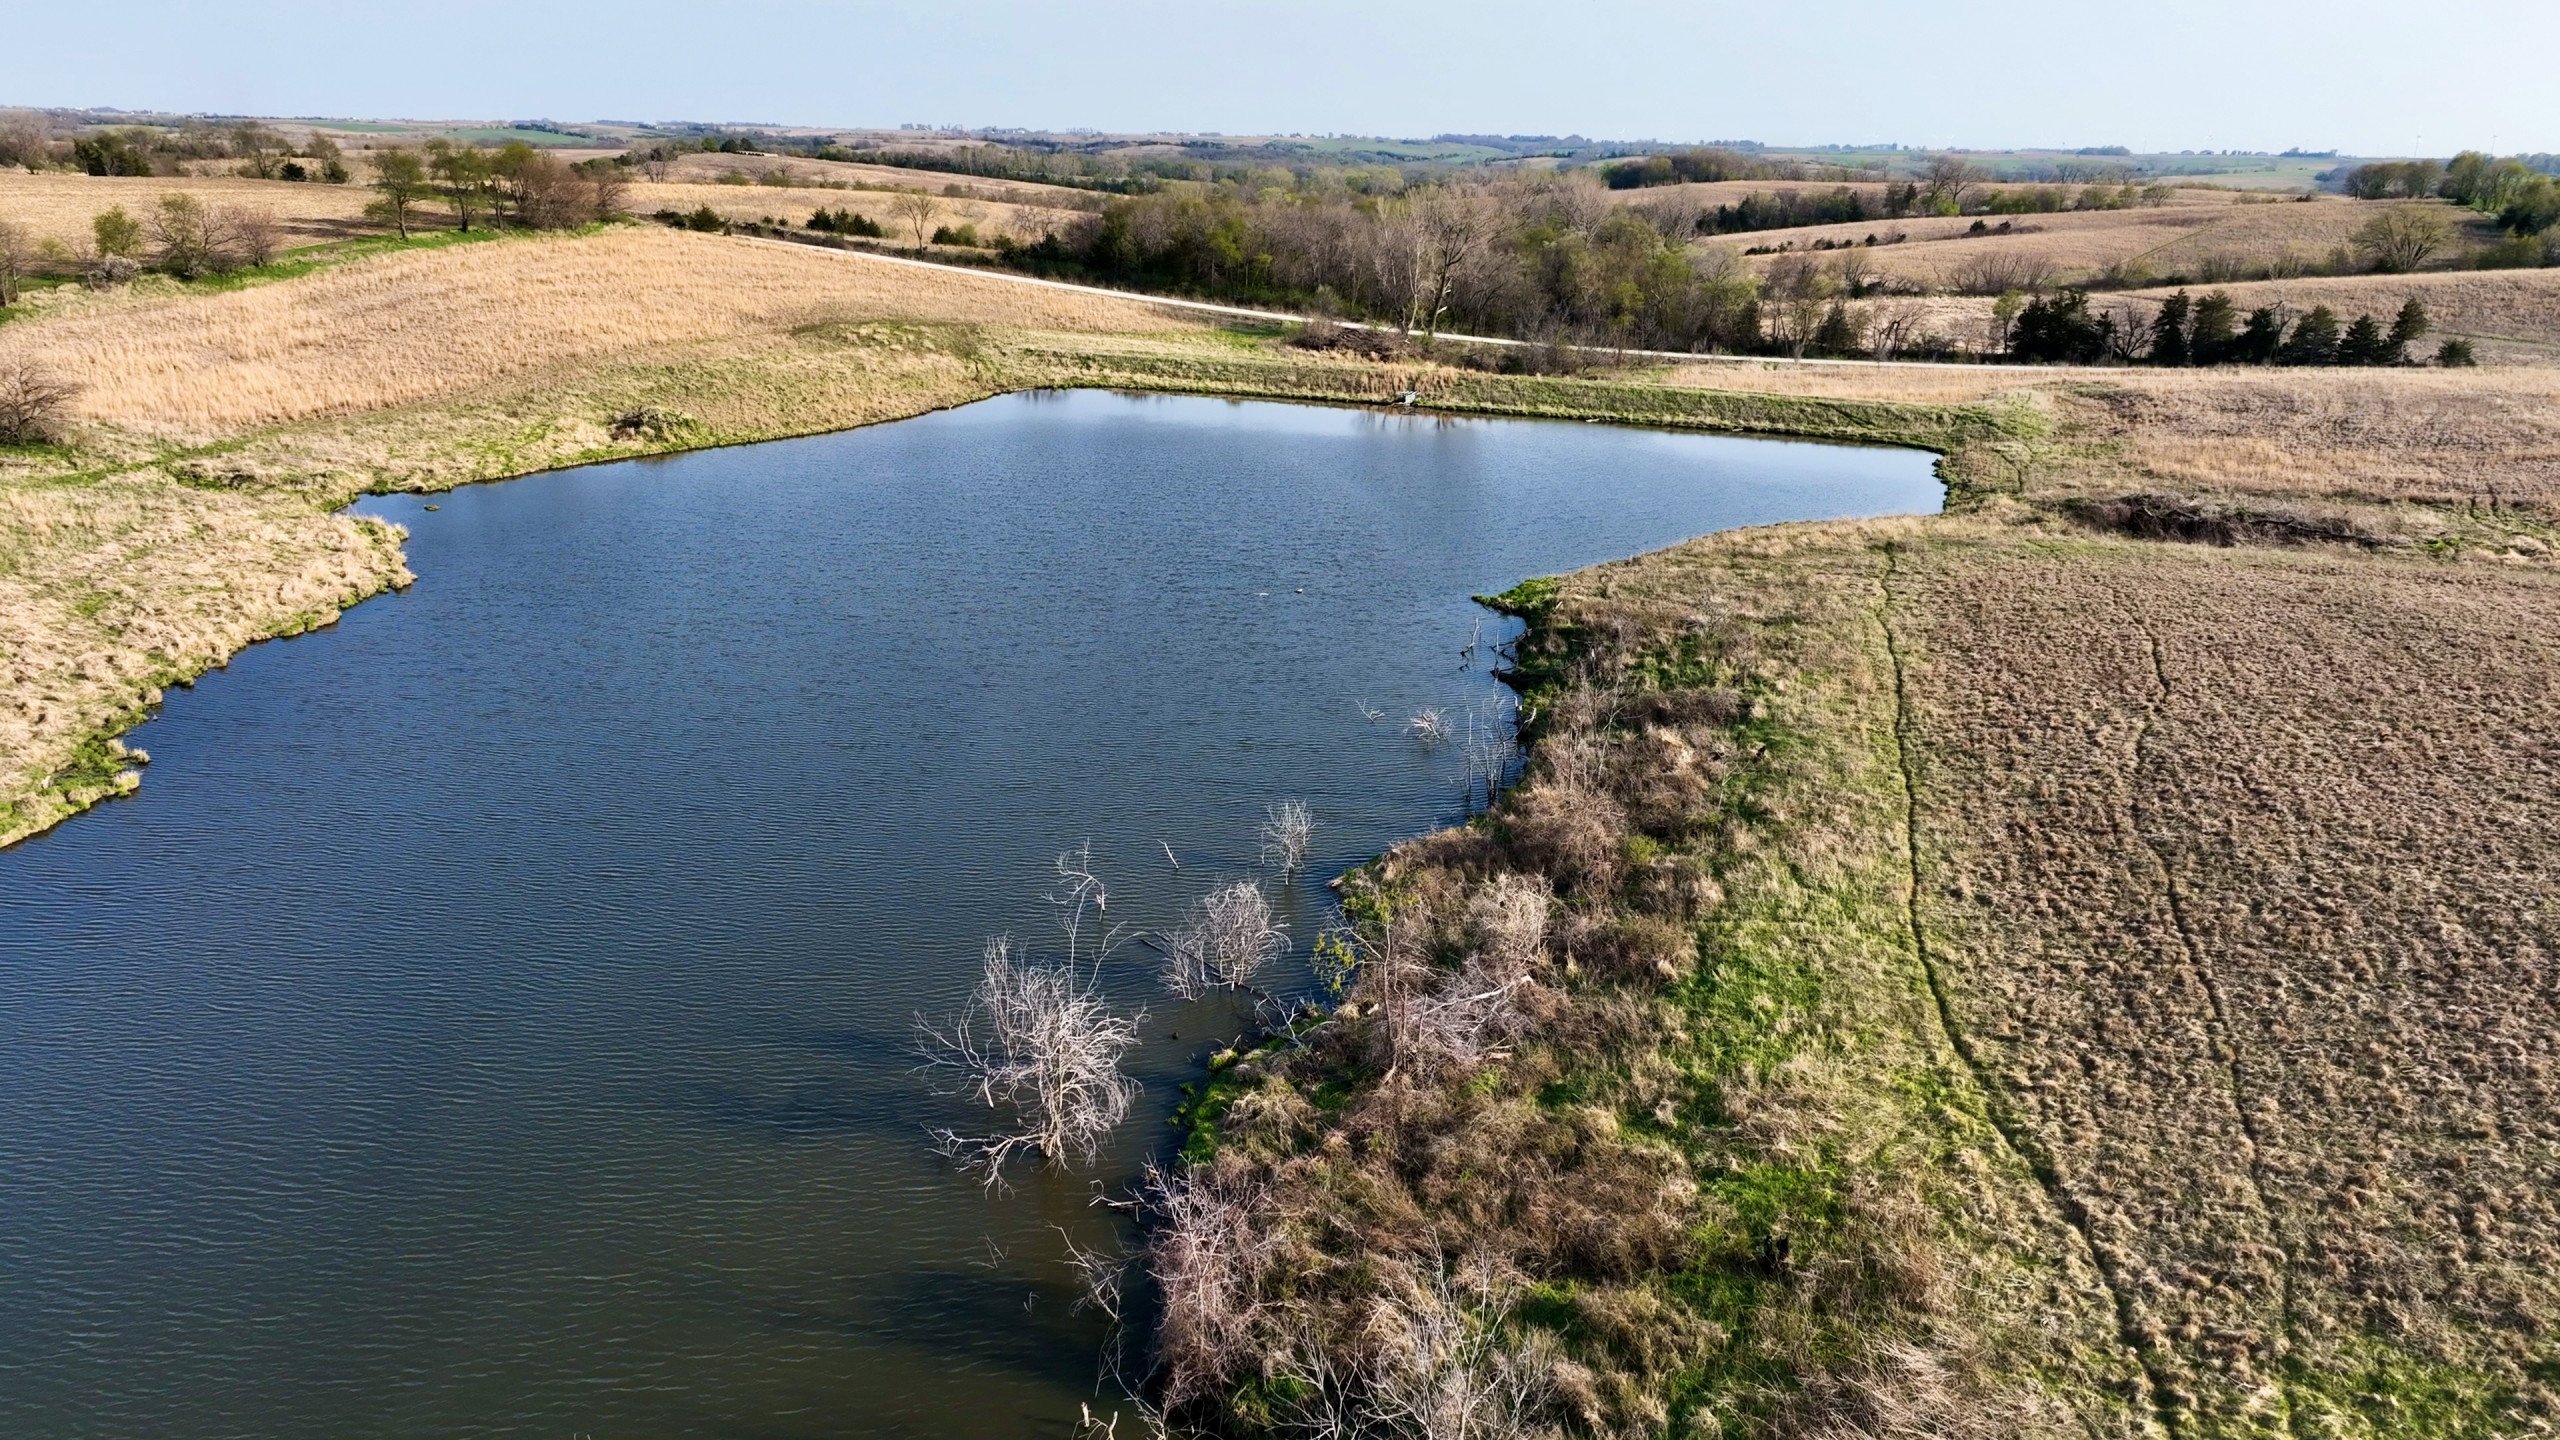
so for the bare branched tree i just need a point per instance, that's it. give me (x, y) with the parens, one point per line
(1038, 1044)
(1287, 829)
(1451, 230)
(35, 403)
(1895, 326)
(1490, 752)
(17, 258)
(916, 208)
(1206, 1251)
(1445, 1369)
(255, 235)
(1225, 940)
(1428, 725)
(1947, 183)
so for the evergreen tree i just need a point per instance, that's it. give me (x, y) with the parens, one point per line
(2060, 330)
(2259, 342)
(2314, 340)
(2363, 343)
(2210, 333)
(2410, 328)
(1838, 334)
(2169, 344)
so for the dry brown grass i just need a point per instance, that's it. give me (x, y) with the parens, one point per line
(2079, 246)
(791, 206)
(1924, 383)
(2487, 438)
(823, 174)
(404, 327)
(2241, 881)
(2471, 438)
(59, 207)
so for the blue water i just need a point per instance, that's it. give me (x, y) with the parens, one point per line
(493, 1015)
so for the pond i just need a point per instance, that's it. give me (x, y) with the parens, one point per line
(494, 1015)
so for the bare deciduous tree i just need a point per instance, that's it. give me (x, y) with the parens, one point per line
(1446, 1370)
(1895, 326)
(1490, 751)
(1287, 828)
(33, 403)
(1451, 230)
(1224, 942)
(255, 236)
(1038, 1044)
(1994, 272)
(1947, 183)
(17, 258)
(1800, 288)
(916, 208)
(25, 137)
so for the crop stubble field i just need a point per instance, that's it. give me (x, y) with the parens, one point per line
(2216, 1025)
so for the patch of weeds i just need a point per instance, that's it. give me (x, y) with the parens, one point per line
(1204, 1107)
(2378, 1389)
(657, 425)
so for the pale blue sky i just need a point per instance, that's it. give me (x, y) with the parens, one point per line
(2154, 74)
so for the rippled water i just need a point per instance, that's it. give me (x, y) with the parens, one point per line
(493, 1015)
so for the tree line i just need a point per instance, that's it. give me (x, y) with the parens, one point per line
(1536, 256)
(2062, 329)
(2521, 191)
(512, 185)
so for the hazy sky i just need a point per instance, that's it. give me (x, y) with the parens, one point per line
(2372, 76)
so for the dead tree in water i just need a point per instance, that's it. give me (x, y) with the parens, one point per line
(1223, 943)
(1286, 830)
(1038, 1044)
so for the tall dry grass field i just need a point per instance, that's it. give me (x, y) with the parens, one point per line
(60, 207)
(401, 328)
(792, 206)
(826, 174)
(2182, 238)
(2470, 438)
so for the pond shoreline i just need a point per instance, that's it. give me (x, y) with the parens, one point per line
(95, 772)
(374, 838)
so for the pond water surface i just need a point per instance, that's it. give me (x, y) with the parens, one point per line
(493, 1017)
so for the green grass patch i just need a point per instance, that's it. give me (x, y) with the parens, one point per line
(2377, 1389)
